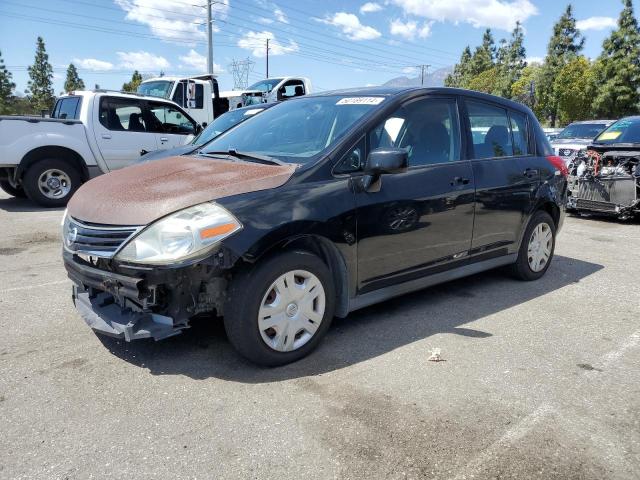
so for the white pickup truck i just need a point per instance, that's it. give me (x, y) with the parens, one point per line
(190, 93)
(89, 133)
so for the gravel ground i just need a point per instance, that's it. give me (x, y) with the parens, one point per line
(540, 380)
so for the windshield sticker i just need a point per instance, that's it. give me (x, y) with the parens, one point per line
(610, 135)
(360, 101)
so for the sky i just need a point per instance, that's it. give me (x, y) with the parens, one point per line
(336, 43)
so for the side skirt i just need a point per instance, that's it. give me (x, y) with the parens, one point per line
(392, 291)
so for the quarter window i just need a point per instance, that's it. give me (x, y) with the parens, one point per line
(121, 114)
(490, 129)
(519, 131)
(428, 129)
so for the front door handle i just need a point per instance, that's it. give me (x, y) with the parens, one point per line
(459, 181)
(531, 172)
(164, 139)
(106, 136)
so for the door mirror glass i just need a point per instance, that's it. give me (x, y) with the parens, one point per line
(387, 160)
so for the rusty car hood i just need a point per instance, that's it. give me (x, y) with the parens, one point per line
(143, 193)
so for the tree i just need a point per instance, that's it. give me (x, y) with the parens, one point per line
(617, 70)
(511, 61)
(484, 55)
(6, 89)
(132, 86)
(565, 45)
(461, 72)
(73, 81)
(575, 88)
(41, 76)
(485, 81)
(524, 90)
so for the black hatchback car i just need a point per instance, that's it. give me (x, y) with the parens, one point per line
(315, 208)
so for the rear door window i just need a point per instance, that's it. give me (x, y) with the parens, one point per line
(490, 130)
(67, 108)
(122, 114)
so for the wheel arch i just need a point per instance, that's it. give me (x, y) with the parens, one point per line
(328, 253)
(52, 151)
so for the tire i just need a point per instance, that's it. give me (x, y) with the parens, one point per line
(66, 174)
(523, 269)
(252, 288)
(11, 190)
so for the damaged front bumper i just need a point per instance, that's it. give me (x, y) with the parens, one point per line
(155, 303)
(618, 196)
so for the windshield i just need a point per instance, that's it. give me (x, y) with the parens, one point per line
(296, 130)
(626, 130)
(265, 85)
(582, 130)
(160, 88)
(224, 123)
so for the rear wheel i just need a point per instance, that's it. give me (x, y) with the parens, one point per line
(278, 311)
(537, 248)
(51, 182)
(11, 190)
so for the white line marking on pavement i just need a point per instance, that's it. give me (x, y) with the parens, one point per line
(610, 358)
(29, 287)
(511, 436)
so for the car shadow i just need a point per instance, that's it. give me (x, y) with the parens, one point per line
(15, 204)
(204, 351)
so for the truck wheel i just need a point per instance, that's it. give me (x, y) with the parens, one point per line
(11, 190)
(51, 182)
(277, 312)
(536, 251)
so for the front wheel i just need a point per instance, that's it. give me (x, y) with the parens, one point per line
(51, 182)
(277, 312)
(537, 248)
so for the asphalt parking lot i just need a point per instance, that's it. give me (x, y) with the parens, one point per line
(540, 380)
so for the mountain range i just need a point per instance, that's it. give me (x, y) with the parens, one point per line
(433, 79)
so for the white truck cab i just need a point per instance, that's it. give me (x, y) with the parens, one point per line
(89, 133)
(269, 90)
(198, 96)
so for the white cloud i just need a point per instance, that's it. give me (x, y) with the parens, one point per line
(409, 70)
(501, 14)
(142, 61)
(173, 21)
(280, 16)
(351, 26)
(596, 23)
(92, 64)
(256, 42)
(197, 62)
(410, 29)
(371, 7)
(531, 60)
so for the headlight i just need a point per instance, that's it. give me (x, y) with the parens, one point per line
(181, 236)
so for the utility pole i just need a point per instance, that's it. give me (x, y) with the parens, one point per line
(423, 69)
(267, 58)
(210, 38)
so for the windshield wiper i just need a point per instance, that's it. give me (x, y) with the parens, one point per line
(250, 156)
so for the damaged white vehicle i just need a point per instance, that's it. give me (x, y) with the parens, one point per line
(605, 178)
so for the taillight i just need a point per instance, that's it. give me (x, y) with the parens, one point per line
(558, 164)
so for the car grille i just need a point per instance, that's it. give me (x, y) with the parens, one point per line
(96, 240)
(595, 205)
(566, 152)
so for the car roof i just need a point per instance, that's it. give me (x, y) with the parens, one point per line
(407, 91)
(592, 122)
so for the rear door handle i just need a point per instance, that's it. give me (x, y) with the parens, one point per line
(164, 139)
(106, 136)
(531, 172)
(459, 181)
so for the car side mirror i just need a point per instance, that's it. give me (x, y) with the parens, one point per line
(383, 161)
(387, 160)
